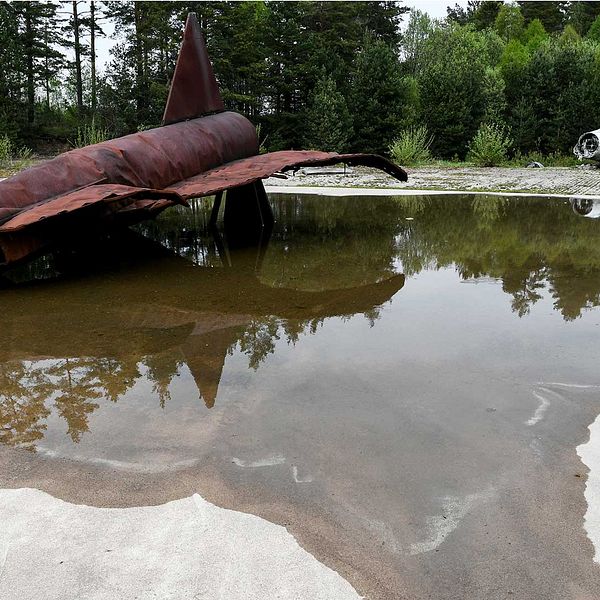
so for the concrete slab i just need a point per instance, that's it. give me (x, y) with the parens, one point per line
(184, 549)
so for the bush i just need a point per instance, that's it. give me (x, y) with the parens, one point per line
(411, 146)
(6, 150)
(490, 145)
(10, 155)
(90, 134)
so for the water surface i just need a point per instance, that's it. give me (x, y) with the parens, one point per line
(411, 375)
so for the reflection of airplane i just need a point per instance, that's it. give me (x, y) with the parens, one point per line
(586, 207)
(164, 302)
(200, 150)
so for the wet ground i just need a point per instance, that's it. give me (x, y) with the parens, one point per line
(410, 385)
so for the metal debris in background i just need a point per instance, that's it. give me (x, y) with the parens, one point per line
(588, 146)
(200, 150)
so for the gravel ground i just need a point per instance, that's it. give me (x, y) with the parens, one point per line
(550, 180)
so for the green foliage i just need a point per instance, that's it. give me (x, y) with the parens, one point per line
(262, 141)
(554, 159)
(594, 30)
(489, 147)
(481, 15)
(377, 96)
(419, 28)
(90, 133)
(553, 87)
(6, 150)
(582, 15)
(329, 125)
(481, 66)
(510, 22)
(569, 36)
(514, 58)
(12, 158)
(452, 81)
(412, 146)
(551, 14)
(535, 35)
(493, 96)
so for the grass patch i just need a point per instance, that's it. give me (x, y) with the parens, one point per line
(89, 134)
(13, 158)
(555, 159)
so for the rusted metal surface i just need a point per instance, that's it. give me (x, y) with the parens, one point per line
(136, 176)
(113, 197)
(155, 159)
(248, 170)
(194, 91)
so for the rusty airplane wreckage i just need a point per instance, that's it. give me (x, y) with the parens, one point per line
(588, 146)
(200, 150)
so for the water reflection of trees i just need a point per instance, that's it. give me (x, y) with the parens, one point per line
(528, 244)
(74, 388)
(336, 255)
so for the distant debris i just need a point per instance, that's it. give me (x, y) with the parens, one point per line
(588, 146)
(534, 164)
(325, 171)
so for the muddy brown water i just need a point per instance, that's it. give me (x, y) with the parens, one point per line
(402, 382)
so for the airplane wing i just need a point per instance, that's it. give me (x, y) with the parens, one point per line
(103, 198)
(247, 170)
(101, 202)
(22, 232)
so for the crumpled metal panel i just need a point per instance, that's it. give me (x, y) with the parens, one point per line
(248, 170)
(108, 194)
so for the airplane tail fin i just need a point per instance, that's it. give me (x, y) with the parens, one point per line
(194, 90)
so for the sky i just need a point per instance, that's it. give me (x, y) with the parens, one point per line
(435, 9)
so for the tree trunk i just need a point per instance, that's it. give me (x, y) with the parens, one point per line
(30, 76)
(78, 82)
(47, 69)
(93, 52)
(139, 64)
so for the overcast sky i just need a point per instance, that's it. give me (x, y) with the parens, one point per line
(435, 9)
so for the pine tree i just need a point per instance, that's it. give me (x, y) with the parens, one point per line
(534, 35)
(12, 101)
(38, 34)
(238, 53)
(582, 14)
(594, 30)
(510, 22)
(328, 121)
(377, 97)
(452, 86)
(551, 14)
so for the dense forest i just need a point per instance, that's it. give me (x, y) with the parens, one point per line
(332, 75)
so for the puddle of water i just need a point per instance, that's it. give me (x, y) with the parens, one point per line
(344, 354)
